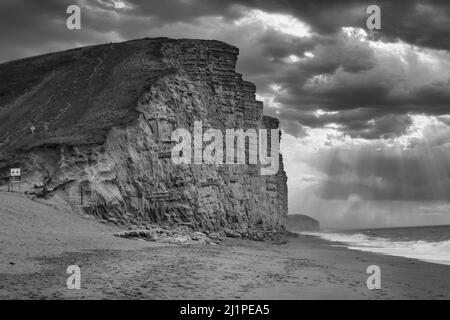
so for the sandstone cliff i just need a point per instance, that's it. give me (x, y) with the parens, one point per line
(103, 118)
(301, 222)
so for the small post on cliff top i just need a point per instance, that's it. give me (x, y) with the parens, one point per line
(14, 178)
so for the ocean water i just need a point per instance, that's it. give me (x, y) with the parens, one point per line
(430, 243)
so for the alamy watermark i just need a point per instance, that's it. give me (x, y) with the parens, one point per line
(73, 22)
(208, 147)
(374, 20)
(74, 280)
(374, 280)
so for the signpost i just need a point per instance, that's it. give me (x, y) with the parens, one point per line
(15, 172)
(14, 178)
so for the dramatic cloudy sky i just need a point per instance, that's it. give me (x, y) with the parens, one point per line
(365, 115)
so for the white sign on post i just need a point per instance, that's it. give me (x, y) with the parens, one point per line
(15, 172)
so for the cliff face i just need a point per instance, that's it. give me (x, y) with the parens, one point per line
(301, 222)
(103, 118)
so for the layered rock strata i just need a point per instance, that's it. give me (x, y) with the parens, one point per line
(102, 120)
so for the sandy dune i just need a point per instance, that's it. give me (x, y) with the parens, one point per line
(31, 229)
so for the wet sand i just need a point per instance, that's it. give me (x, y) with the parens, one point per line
(114, 268)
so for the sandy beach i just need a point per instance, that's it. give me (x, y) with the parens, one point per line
(39, 242)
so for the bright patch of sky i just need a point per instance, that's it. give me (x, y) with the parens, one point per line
(283, 23)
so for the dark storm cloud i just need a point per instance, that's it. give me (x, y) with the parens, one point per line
(34, 27)
(366, 110)
(385, 127)
(358, 123)
(436, 95)
(367, 107)
(345, 75)
(382, 113)
(279, 47)
(358, 80)
(425, 23)
(179, 10)
(445, 119)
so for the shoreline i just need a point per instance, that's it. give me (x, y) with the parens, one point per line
(374, 249)
(40, 241)
(303, 268)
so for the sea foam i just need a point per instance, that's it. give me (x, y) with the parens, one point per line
(436, 252)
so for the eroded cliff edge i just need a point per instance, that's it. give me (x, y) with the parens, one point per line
(103, 118)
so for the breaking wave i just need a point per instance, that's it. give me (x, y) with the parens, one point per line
(436, 252)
